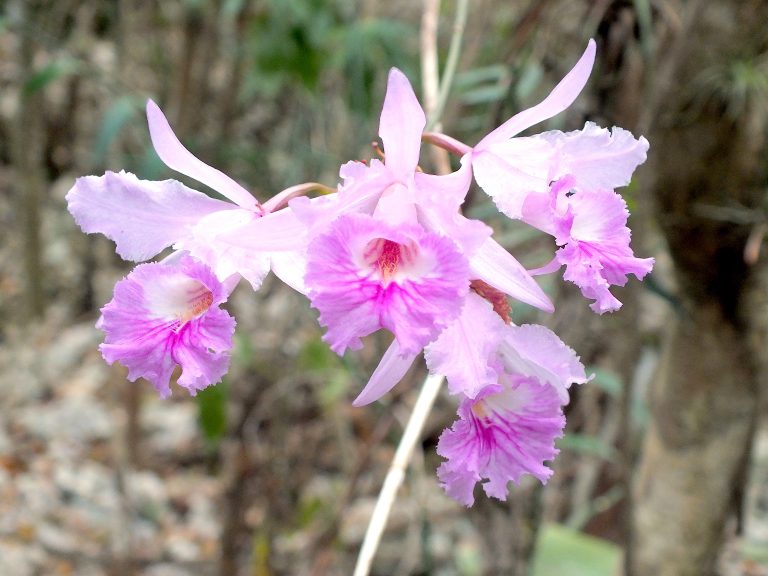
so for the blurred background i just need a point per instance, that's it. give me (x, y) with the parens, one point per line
(664, 466)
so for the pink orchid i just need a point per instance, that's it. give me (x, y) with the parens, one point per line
(514, 381)
(144, 217)
(523, 174)
(591, 228)
(365, 275)
(167, 315)
(438, 252)
(507, 431)
(510, 168)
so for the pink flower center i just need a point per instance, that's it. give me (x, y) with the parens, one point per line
(480, 411)
(198, 304)
(388, 257)
(180, 298)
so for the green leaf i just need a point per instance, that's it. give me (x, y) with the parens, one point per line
(484, 94)
(496, 73)
(561, 551)
(212, 412)
(607, 380)
(317, 357)
(52, 71)
(529, 80)
(117, 116)
(586, 444)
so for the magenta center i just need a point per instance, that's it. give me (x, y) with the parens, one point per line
(388, 257)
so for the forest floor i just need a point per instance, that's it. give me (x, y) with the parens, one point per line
(72, 503)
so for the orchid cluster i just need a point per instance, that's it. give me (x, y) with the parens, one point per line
(388, 248)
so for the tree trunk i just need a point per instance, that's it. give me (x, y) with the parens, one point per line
(706, 158)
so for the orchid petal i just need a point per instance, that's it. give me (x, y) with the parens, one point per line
(464, 350)
(534, 350)
(227, 258)
(558, 100)
(364, 274)
(388, 373)
(510, 170)
(493, 264)
(448, 191)
(438, 202)
(142, 217)
(402, 122)
(163, 316)
(500, 436)
(596, 157)
(177, 157)
(597, 254)
(291, 267)
(279, 231)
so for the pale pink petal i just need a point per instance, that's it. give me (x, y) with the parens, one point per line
(356, 171)
(438, 199)
(177, 157)
(396, 206)
(359, 194)
(536, 351)
(504, 433)
(364, 275)
(538, 212)
(597, 254)
(465, 350)
(391, 369)
(279, 231)
(142, 217)
(224, 257)
(291, 267)
(493, 264)
(447, 191)
(597, 158)
(510, 170)
(163, 316)
(558, 100)
(402, 122)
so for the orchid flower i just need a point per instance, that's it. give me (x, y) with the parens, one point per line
(507, 431)
(513, 381)
(145, 217)
(590, 226)
(520, 174)
(165, 315)
(392, 250)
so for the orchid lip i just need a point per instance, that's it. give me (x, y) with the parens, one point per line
(388, 259)
(198, 304)
(180, 300)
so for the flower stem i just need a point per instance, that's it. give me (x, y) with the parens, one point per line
(459, 23)
(396, 473)
(281, 199)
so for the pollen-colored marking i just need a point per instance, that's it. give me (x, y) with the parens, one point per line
(389, 259)
(478, 409)
(497, 298)
(198, 305)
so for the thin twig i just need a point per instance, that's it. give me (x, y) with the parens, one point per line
(430, 79)
(396, 473)
(459, 23)
(430, 75)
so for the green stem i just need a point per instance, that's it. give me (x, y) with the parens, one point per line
(459, 23)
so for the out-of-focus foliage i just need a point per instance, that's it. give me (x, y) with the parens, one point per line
(299, 43)
(563, 551)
